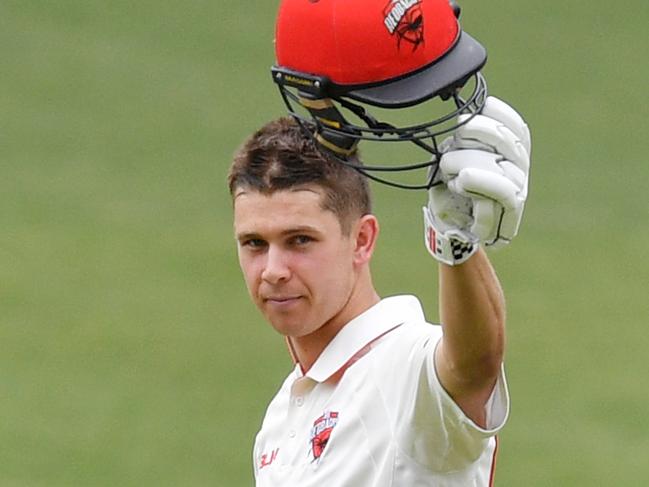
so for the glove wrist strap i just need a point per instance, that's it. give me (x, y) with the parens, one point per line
(446, 247)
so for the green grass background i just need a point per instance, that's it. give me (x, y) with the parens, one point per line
(129, 354)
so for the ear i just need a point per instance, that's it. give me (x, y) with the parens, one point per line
(365, 233)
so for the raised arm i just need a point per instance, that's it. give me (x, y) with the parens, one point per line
(478, 202)
(472, 313)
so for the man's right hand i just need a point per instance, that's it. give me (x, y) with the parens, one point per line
(484, 172)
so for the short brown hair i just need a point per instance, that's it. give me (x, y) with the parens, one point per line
(280, 156)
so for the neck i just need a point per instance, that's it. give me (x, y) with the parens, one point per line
(305, 350)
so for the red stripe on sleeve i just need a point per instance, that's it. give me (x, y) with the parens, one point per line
(492, 475)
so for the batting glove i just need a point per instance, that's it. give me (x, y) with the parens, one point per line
(484, 172)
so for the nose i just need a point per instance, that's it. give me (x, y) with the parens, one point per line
(276, 268)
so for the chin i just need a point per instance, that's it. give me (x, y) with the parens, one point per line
(291, 329)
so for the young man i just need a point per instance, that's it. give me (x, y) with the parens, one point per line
(378, 396)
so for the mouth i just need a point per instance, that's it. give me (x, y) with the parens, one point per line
(281, 302)
(280, 299)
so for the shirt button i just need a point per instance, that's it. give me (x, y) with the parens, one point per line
(291, 434)
(299, 401)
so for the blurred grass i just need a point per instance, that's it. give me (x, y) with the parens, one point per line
(130, 354)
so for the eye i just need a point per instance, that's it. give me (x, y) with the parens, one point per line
(253, 243)
(301, 240)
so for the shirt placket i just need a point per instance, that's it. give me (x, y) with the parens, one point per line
(296, 442)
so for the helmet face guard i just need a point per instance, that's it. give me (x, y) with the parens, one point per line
(322, 117)
(418, 53)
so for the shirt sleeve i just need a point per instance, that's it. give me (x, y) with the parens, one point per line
(431, 428)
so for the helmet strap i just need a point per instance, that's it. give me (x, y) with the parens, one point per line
(331, 126)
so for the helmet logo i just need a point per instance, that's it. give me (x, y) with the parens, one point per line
(404, 19)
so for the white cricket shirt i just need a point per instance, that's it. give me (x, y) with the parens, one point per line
(371, 412)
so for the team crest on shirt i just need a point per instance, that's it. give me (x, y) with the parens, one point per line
(404, 19)
(320, 433)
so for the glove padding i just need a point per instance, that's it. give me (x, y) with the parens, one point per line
(484, 169)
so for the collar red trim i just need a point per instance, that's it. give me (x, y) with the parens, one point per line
(336, 376)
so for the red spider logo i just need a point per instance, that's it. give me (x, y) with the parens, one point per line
(321, 431)
(411, 28)
(404, 19)
(319, 442)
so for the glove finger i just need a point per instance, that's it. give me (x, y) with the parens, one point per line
(478, 183)
(507, 228)
(510, 223)
(504, 113)
(453, 162)
(486, 214)
(514, 173)
(480, 132)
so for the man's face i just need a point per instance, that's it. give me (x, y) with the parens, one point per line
(296, 262)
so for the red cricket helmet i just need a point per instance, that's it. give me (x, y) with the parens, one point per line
(385, 53)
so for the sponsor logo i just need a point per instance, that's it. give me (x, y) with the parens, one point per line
(268, 458)
(320, 433)
(404, 19)
(297, 81)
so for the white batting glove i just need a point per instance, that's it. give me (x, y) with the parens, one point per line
(485, 171)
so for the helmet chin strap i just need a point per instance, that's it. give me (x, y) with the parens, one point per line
(329, 117)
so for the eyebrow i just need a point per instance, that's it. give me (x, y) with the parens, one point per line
(284, 233)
